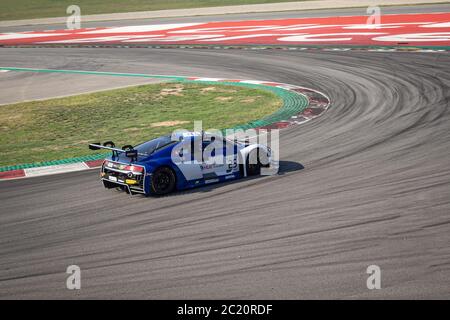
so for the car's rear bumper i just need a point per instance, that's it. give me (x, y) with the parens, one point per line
(127, 180)
(129, 188)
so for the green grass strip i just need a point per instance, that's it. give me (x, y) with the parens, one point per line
(27, 9)
(293, 103)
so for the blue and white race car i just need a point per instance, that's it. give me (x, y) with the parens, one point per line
(178, 162)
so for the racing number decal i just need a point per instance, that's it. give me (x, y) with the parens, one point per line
(232, 166)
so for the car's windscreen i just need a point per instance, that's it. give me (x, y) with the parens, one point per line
(150, 146)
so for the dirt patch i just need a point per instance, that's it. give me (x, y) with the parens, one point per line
(223, 98)
(168, 123)
(48, 148)
(219, 90)
(176, 91)
(223, 90)
(249, 100)
(133, 129)
(208, 89)
(12, 117)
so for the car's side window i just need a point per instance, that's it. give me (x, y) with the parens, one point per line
(229, 148)
(208, 151)
(205, 144)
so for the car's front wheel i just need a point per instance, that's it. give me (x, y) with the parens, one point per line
(253, 163)
(163, 181)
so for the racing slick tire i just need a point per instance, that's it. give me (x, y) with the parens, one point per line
(163, 181)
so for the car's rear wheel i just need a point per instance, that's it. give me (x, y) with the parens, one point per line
(163, 181)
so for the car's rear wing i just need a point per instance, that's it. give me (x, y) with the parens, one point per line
(129, 151)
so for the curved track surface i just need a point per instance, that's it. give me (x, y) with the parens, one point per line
(375, 189)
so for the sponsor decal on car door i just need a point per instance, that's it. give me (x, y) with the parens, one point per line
(219, 159)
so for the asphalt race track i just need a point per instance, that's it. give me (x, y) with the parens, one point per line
(366, 183)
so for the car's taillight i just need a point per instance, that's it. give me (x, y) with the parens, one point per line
(134, 169)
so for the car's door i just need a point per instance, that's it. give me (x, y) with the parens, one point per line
(219, 158)
(187, 157)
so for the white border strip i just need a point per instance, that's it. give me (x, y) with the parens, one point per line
(61, 168)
